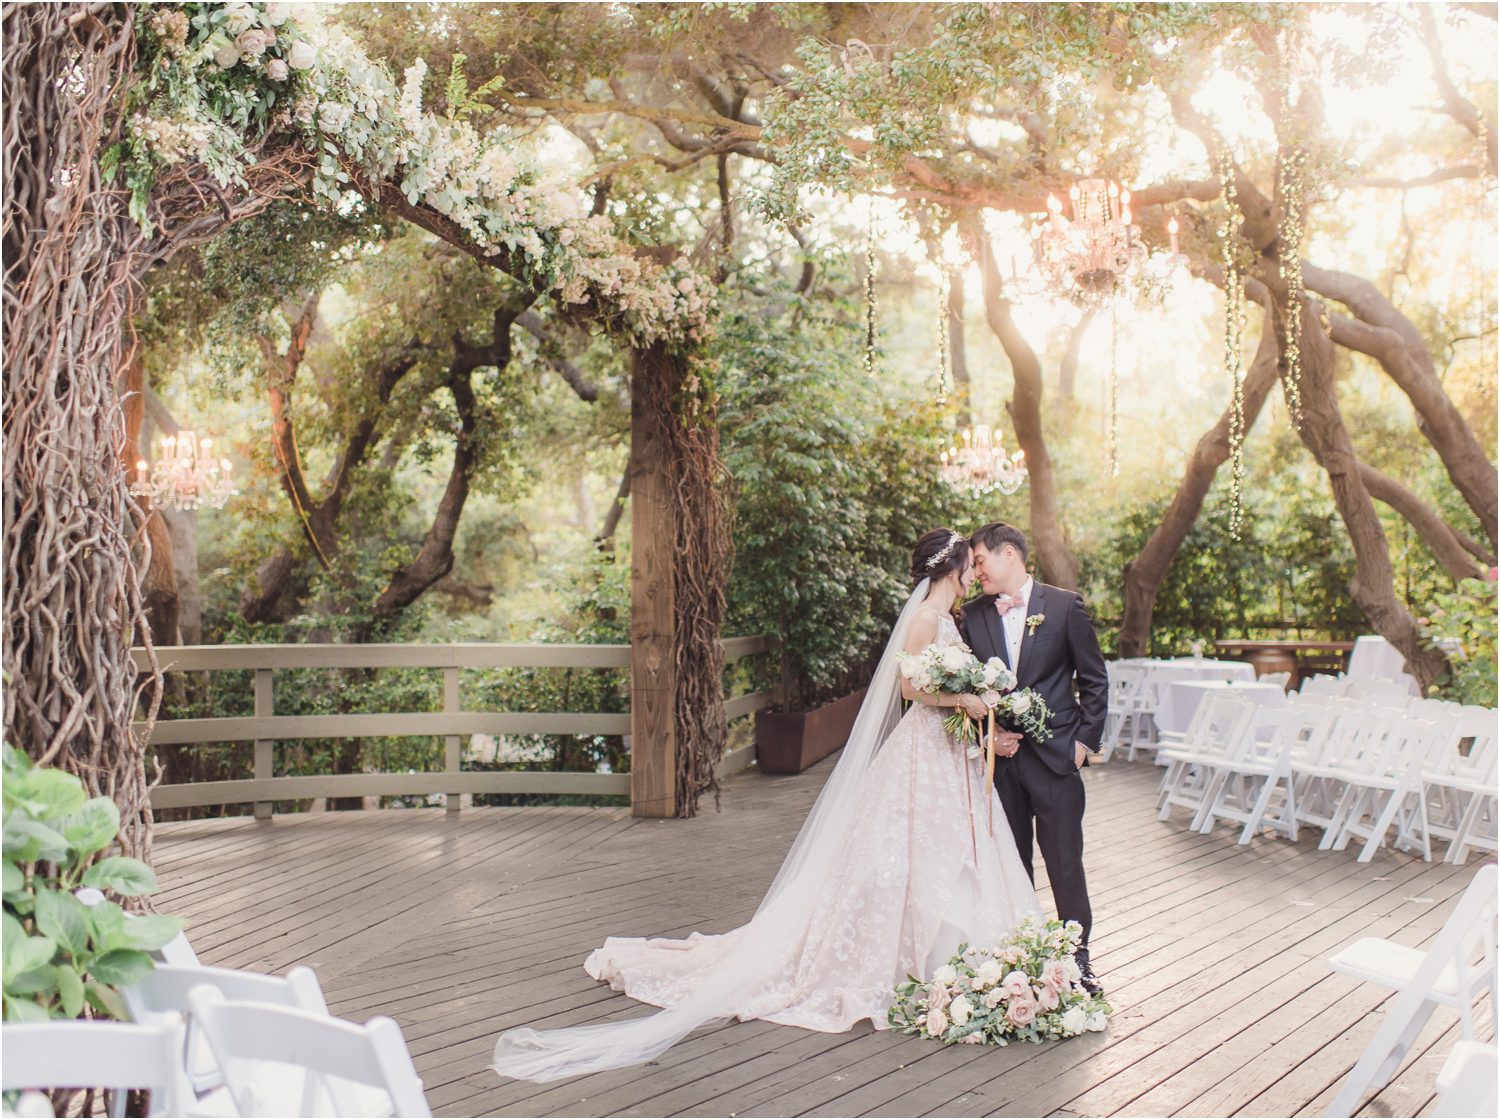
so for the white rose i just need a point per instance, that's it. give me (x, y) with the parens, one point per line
(994, 997)
(1021, 704)
(953, 659)
(302, 56)
(276, 14)
(1098, 1021)
(238, 17)
(253, 42)
(989, 973)
(945, 975)
(226, 56)
(960, 1010)
(1074, 973)
(991, 698)
(1075, 1020)
(277, 70)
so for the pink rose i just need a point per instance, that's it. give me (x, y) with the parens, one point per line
(937, 1023)
(1021, 1011)
(937, 997)
(277, 70)
(973, 1039)
(1016, 984)
(1055, 974)
(1047, 999)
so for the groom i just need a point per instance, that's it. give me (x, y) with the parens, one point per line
(1045, 636)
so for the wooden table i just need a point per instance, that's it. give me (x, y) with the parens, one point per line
(1277, 657)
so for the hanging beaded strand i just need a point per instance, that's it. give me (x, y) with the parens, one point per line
(870, 320)
(1291, 174)
(945, 360)
(1234, 326)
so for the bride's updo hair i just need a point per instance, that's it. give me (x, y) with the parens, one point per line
(939, 552)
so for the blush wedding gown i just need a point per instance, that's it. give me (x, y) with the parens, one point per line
(885, 879)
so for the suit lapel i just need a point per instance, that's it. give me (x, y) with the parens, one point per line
(996, 631)
(1038, 598)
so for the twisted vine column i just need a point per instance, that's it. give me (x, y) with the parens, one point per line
(72, 597)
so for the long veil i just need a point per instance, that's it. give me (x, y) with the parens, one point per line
(787, 907)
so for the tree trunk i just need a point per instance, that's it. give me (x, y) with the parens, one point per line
(1143, 575)
(1436, 534)
(1049, 544)
(72, 594)
(1325, 435)
(958, 353)
(1067, 373)
(1380, 330)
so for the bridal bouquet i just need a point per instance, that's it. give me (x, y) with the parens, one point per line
(954, 668)
(1025, 989)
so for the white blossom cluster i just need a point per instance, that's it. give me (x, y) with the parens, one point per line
(355, 114)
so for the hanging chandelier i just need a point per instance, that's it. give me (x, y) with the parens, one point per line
(981, 463)
(185, 476)
(1098, 251)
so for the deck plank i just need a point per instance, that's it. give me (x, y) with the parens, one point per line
(460, 928)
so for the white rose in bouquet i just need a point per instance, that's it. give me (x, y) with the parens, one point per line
(1075, 1020)
(960, 1009)
(991, 698)
(1098, 1021)
(302, 56)
(989, 973)
(945, 975)
(1020, 704)
(954, 658)
(994, 998)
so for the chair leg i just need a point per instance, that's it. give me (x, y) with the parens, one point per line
(1394, 801)
(1458, 847)
(1336, 821)
(1381, 1058)
(1262, 803)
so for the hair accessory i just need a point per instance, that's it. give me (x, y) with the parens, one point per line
(945, 552)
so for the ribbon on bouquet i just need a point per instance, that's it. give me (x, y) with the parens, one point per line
(989, 770)
(968, 791)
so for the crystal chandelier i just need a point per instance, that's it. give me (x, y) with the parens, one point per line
(185, 475)
(982, 464)
(1098, 252)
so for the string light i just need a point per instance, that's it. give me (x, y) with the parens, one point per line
(945, 360)
(1234, 329)
(870, 309)
(1291, 174)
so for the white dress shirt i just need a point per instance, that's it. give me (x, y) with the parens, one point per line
(1013, 623)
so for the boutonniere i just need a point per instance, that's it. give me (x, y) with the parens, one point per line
(1032, 622)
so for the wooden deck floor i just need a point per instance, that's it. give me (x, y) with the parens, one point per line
(1213, 955)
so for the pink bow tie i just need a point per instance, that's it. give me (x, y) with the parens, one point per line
(1005, 603)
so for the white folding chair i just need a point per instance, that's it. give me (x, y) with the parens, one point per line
(283, 1061)
(1320, 685)
(1127, 709)
(1264, 768)
(77, 1054)
(1445, 975)
(162, 996)
(1387, 787)
(1320, 783)
(1193, 769)
(1283, 678)
(1466, 1084)
(1458, 786)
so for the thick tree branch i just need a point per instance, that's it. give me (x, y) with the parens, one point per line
(1436, 533)
(1455, 104)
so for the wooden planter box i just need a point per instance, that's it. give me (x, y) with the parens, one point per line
(790, 742)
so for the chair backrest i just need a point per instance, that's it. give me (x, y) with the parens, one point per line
(1466, 748)
(1356, 738)
(1125, 682)
(1224, 727)
(1282, 678)
(77, 1054)
(332, 1056)
(1320, 685)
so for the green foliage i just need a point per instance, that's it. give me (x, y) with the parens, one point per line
(1462, 623)
(833, 486)
(60, 955)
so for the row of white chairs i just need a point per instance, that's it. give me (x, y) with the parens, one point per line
(1356, 768)
(221, 1042)
(1135, 696)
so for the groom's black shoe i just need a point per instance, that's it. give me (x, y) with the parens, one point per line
(1089, 981)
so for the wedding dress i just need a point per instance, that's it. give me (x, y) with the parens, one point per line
(888, 875)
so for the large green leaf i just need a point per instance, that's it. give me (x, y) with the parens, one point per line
(24, 1011)
(47, 793)
(105, 1000)
(22, 954)
(34, 981)
(107, 921)
(27, 840)
(122, 875)
(150, 931)
(14, 881)
(120, 967)
(61, 916)
(93, 827)
(70, 991)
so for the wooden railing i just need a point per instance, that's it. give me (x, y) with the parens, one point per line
(265, 728)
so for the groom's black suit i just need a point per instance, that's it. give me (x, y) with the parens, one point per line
(1061, 660)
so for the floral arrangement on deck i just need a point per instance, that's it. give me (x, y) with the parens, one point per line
(1025, 989)
(217, 79)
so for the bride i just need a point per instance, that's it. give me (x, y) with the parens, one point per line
(884, 880)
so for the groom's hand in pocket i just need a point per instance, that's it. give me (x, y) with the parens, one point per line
(1080, 755)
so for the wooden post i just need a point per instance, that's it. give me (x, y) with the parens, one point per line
(264, 766)
(653, 677)
(451, 744)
